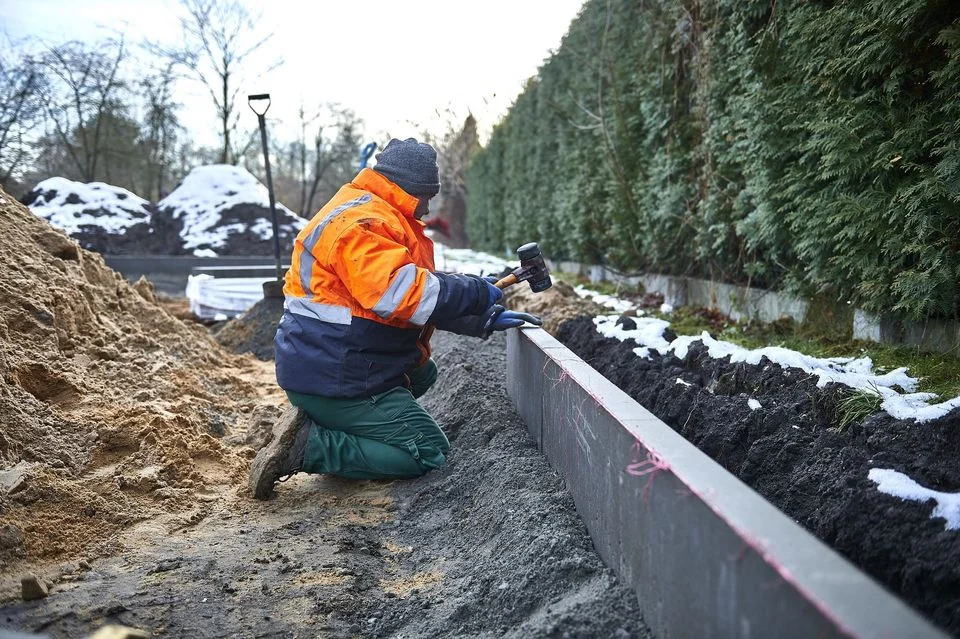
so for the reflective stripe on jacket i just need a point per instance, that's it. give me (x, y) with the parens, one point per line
(361, 294)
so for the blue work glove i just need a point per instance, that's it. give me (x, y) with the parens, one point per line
(496, 318)
(494, 293)
(513, 319)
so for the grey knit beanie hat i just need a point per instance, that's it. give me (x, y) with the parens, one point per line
(411, 165)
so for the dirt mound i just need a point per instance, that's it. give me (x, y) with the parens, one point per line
(554, 305)
(225, 209)
(253, 331)
(786, 449)
(105, 218)
(111, 408)
(243, 229)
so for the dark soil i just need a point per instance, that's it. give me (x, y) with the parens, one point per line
(788, 452)
(160, 234)
(253, 331)
(247, 242)
(490, 545)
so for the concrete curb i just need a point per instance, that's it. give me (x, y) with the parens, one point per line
(706, 555)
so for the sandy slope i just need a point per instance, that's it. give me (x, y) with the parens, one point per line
(111, 408)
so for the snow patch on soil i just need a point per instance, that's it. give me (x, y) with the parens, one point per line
(208, 192)
(899, 485)
(609, 301)
(70, 205)
(791, 454)
(855, 373)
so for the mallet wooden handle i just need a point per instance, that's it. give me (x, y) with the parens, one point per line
(509, 280)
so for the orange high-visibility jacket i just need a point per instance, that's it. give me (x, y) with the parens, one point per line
(362, 296)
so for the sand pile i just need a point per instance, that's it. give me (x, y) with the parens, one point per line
(110, 407)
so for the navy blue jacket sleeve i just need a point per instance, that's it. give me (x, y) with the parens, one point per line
(460, 295)
(469, 325)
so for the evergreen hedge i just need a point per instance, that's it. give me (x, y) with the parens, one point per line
(808, 146)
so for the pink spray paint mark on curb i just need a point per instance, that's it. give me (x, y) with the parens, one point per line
(647, 467)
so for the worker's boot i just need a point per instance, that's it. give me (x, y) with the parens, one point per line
(283, 456)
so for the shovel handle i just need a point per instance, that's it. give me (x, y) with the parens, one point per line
(509, 280)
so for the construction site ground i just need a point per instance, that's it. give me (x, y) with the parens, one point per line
(128, 430)
(489, 545)
(127, 436)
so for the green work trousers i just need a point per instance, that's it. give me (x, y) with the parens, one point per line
(384, 436)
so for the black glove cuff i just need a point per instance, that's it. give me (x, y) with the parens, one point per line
(472, 325)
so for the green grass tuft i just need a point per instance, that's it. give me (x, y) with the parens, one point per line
(855, 406)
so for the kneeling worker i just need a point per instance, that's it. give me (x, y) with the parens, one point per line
(353, 346)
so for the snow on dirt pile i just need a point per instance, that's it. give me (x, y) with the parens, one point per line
(882, 491)
(225, 209)
(111, 408)
(100, 216)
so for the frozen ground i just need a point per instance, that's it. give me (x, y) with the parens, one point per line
(896, 387)
(883, 491)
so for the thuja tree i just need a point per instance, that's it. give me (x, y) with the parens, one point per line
(810, 146)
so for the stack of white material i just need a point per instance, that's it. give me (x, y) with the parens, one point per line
(220, 298)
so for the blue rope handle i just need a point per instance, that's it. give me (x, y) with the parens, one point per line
(366, 153)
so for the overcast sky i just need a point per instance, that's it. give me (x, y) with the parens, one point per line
(393, 62)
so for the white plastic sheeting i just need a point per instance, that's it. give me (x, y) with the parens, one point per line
(220, 298)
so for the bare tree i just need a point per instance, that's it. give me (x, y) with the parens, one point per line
(334, 158)
(315, 164)
(84, 86)
(220, 37)
(161, 128)
(21, 112)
